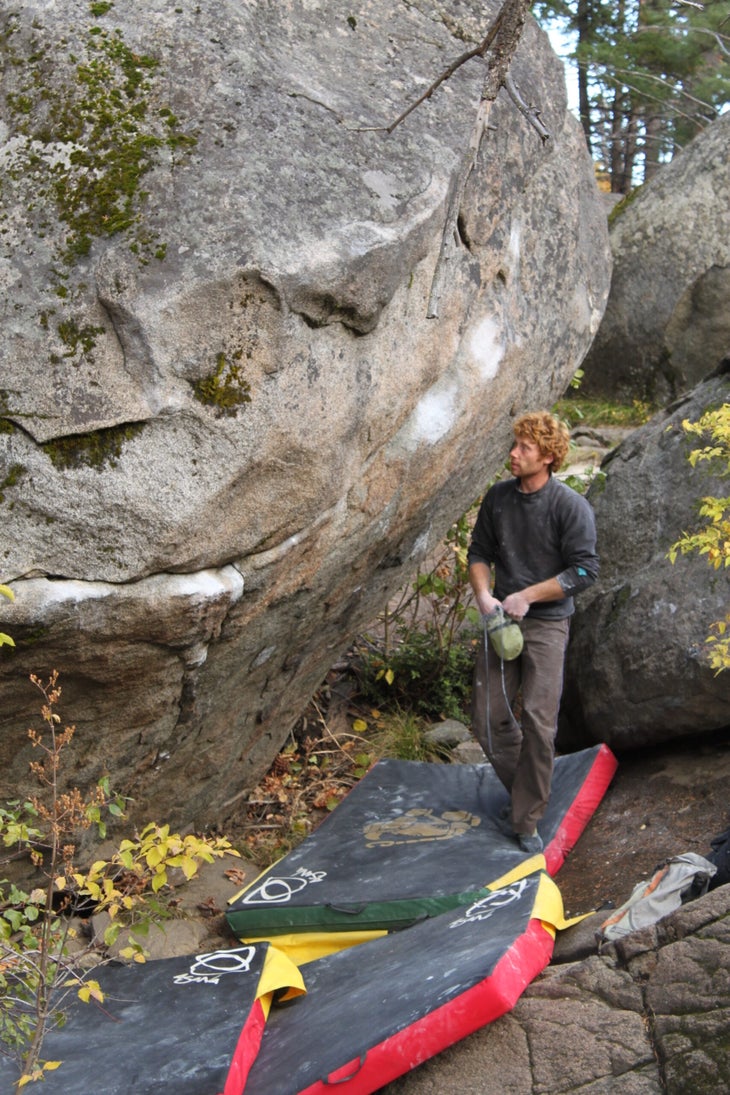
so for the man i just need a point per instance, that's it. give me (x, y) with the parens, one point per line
(537, 539)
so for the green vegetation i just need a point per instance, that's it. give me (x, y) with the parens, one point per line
(100, 113)
(78, 338)
(226, 388)
(712, 539)
(133, 886)
(419, 674)
(97, 450)
(423, 664)
(651, 74)
(402, 735)
(623, 205)
(86, 125)
(14, 475)
(578, 411)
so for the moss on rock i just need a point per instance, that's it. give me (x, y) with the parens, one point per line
(86, 123)
(98, 449)
(225, 389)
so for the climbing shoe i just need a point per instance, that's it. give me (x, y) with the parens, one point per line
(531, 844)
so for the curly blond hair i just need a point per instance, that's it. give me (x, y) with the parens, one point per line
(547, 432)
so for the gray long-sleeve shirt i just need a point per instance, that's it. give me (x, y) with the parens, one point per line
(528, 538)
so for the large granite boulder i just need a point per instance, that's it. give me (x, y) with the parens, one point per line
(229, 429)
(637, 669)
(668, 312)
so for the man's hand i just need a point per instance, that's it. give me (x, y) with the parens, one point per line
(516, 605)
(480, 579)
(488, 604)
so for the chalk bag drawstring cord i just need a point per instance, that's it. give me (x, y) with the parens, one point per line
(486, 682)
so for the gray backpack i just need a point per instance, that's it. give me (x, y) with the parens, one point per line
(682, 878)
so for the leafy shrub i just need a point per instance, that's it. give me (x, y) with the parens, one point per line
(712, 539)
(37, 971)
(421, 675)
(423, 662)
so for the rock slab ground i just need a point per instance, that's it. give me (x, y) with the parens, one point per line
(649, 1014)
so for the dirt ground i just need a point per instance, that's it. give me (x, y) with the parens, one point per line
(662, 802)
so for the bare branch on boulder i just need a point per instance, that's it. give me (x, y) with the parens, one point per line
(478, 51)
(499, 45)
(532, 113)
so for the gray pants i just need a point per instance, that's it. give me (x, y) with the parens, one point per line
(522, 755)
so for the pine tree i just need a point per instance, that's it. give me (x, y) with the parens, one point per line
(651, 74)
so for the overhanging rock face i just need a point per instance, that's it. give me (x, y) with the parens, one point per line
(230, 430)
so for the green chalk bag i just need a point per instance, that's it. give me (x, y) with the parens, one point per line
(504, 635)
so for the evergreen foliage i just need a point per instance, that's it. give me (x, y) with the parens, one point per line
(651, 75)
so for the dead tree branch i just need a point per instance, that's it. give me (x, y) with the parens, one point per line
(532, 113)
(499, 46)
(478, 51)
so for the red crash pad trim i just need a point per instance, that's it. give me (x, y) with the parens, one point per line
(441, 1028)
(246, 1050)
(582, 809)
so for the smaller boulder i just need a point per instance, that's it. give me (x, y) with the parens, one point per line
(637, 670)
(668, 310)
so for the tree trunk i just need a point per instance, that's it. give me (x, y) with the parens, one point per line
(583, 28)
(616, 159)
(629, 149)
(653, 131)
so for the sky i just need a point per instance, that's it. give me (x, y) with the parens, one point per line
(561, 43)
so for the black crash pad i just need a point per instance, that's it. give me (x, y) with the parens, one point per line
(376, 1011)
(413, 839)
(188, 1026)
